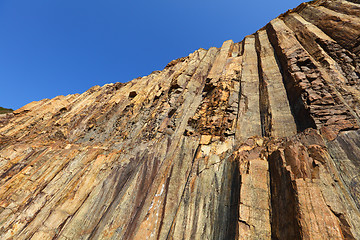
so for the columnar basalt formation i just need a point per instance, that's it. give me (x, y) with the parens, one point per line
(257, 139)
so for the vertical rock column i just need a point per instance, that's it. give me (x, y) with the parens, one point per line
(345, 29)
(337, 68)
(282, 121)
(314, 102)
(308, 200)
(220, 61)
(249, 113)
(254, 204)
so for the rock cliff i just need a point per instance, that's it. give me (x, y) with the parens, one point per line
(5, 110)
(257, 139)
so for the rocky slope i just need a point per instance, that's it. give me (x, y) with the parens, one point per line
(256, 140)
(5, 110)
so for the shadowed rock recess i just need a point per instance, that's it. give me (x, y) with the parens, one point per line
(257, 139)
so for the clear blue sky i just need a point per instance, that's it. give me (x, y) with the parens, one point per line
(59, 47)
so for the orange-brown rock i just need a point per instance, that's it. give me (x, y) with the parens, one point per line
(258, 139)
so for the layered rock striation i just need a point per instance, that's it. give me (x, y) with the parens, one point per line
(257, 139)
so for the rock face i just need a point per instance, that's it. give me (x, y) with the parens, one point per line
(5, 110)
(256, 140)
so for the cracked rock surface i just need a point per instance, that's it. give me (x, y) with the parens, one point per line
(258, 139)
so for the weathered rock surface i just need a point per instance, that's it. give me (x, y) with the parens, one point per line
(5, 110)
(256, 140)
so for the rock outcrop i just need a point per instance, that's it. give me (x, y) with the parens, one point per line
(5, 110)
(257, 139)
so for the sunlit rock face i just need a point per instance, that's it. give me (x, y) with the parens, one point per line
(254, 140)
